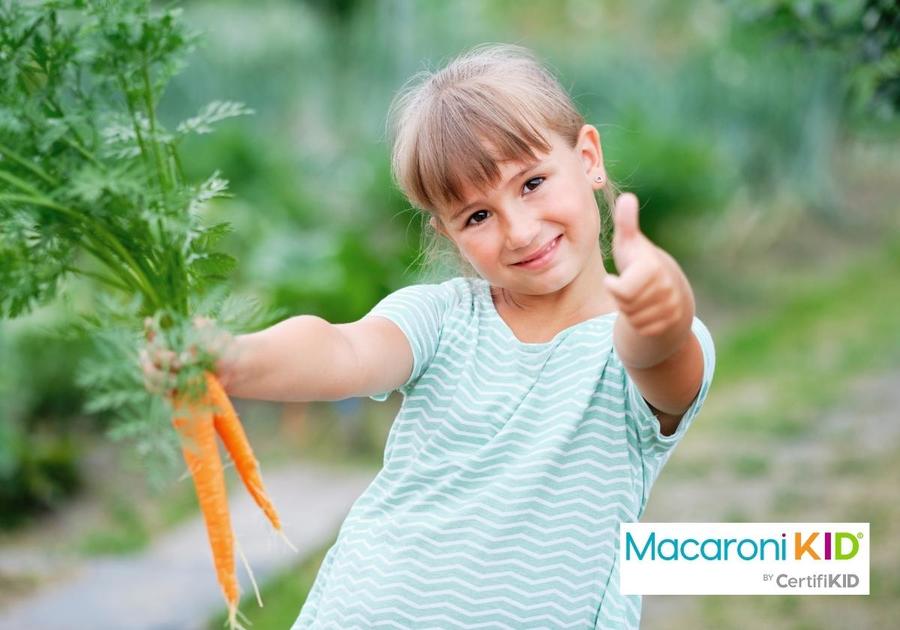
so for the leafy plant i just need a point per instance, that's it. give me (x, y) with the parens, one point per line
(91, 184)
(87, 165)
(89, 171)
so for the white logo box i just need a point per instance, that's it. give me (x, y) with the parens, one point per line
(744, 558)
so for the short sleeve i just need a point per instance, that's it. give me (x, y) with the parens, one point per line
(654, 446)
(419, 311)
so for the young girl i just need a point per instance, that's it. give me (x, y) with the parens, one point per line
(541, 395)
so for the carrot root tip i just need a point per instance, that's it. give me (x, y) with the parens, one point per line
(287, 540)
(249, 572)
(232, 622)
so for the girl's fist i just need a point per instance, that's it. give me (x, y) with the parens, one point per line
(650, 289)
(161, 363)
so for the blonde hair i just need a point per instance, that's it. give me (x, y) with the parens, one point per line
(440, 123)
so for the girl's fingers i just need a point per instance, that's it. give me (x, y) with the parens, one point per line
(212, 338)
(630, 287)
(165, 359)
(649, 296)
(656, 328)
(154, 379)
(161, 365)
(147, 366)
(149, 333)
(662, 314)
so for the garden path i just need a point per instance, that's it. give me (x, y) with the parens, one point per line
(171, 585)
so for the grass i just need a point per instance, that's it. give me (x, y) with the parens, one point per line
(180, 503)
(736, 515)
(283, 596)
(694, 468)
(126, 532)
(750, 466)
(852, 466)
(801, 357)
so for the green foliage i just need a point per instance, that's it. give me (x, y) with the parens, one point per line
(38, 397)
(863, 34)
(92, 185)
(126, 532)
(282, 596)
(37, 476)
(802, 357)
(87, 164)
(750, 466)
(669, 171)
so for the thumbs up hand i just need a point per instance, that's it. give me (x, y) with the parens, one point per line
(652, 292)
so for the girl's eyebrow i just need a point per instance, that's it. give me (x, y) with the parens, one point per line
(527, 168)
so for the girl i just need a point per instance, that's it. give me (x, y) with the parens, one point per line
(541, 395)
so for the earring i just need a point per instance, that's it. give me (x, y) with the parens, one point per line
(598, 179)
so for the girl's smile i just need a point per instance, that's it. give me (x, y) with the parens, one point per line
(542, 257)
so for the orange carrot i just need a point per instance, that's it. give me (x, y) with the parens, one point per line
(194, 422)
(230, 430)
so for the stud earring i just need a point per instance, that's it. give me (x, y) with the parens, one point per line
(598, 179)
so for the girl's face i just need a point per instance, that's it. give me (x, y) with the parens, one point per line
(546, 204)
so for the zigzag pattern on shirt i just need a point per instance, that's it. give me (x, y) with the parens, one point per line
(508, 470)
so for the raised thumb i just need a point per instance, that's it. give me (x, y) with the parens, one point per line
(626, 219)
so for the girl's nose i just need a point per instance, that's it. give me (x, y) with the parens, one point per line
(523, 229)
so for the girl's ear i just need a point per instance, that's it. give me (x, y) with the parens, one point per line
(437, 225)
(591, 154)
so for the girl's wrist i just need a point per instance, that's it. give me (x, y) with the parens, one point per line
(228, 365)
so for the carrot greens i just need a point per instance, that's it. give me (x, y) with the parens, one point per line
(93, 192)
(91, 181)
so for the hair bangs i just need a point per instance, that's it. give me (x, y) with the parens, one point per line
(465, 136)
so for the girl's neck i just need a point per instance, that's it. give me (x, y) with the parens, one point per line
(583, 298)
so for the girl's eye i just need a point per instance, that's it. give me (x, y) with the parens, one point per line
(539, 181)
(469, 220)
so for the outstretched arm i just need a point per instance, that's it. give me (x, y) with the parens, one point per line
(308, 358)
(653, 334)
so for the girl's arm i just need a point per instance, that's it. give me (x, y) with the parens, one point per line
(653, 335)
(671, 385)
(307, 358)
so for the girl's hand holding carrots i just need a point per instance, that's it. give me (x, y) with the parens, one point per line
(207, 343)
(201, 412)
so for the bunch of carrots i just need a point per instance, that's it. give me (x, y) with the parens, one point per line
(198, 418)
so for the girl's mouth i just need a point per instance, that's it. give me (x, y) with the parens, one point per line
(543, 259)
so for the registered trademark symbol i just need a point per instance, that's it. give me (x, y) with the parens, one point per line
(859, 535)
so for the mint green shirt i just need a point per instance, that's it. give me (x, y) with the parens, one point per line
(506, 474)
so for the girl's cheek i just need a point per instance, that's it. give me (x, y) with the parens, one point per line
(481, 251)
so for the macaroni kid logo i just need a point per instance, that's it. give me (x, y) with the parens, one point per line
(746, 548)
(744, 558)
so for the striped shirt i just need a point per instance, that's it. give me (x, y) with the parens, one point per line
(506, 474)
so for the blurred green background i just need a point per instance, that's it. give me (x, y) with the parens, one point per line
(762, 140)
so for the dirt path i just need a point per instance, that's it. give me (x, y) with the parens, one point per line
(172, 585)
